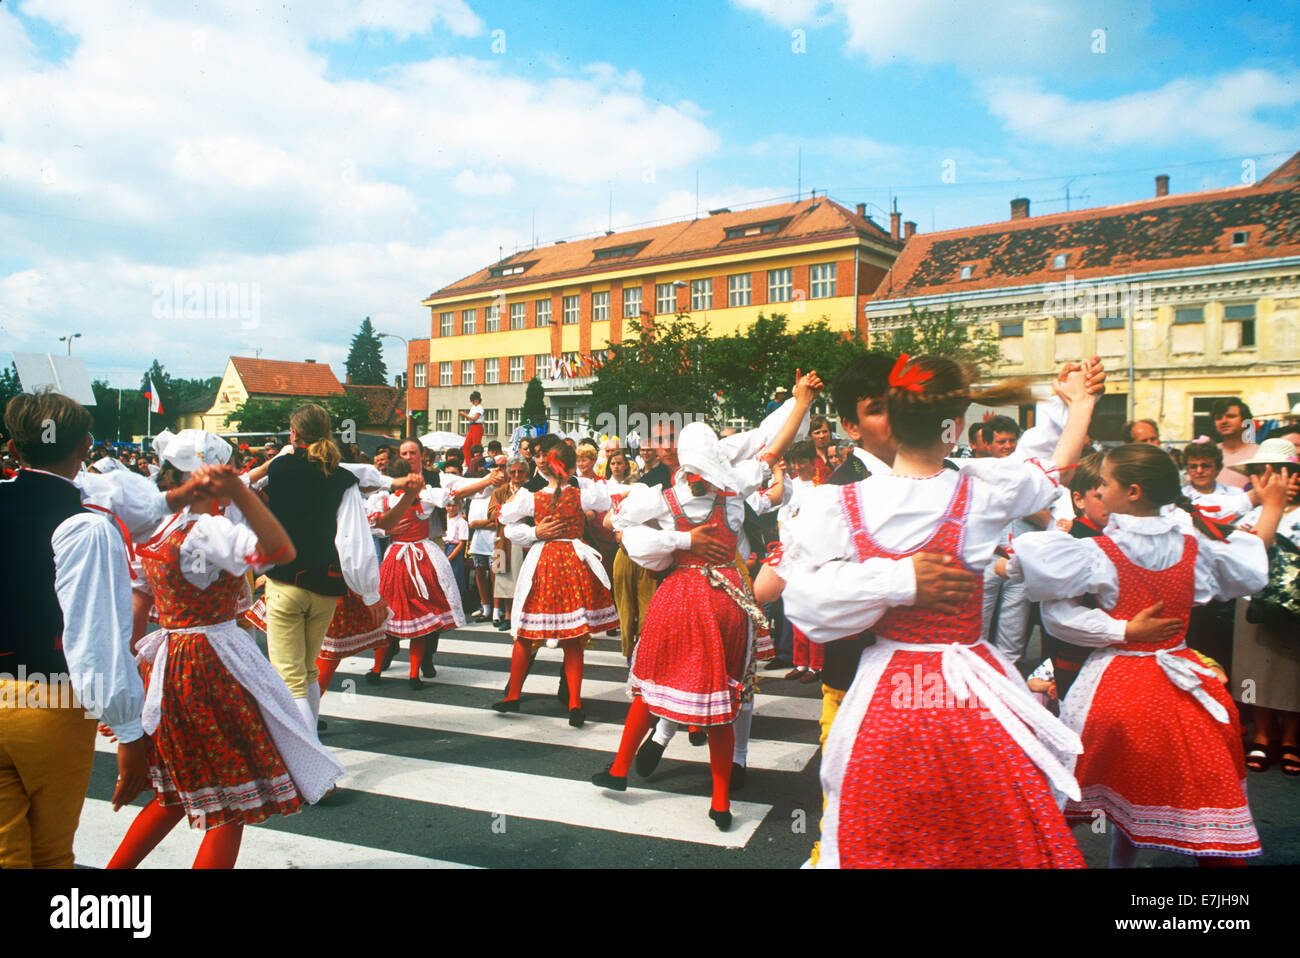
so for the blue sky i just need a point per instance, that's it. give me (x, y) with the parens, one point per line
(339, 159)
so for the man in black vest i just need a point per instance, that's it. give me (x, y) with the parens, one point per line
(65, 585)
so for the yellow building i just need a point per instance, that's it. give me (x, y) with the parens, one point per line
(495, 329)
(1187, 298)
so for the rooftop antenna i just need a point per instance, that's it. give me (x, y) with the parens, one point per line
(611, 205)
(798, 190)
(533, 231)
(697, 194)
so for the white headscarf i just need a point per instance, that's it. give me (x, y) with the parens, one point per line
(698, 452)
(191, 448)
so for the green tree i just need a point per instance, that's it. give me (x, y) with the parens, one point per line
(748, 365)
(942, 334)
(534, 408)
(665, 363)
(9, 385)
(365, 362)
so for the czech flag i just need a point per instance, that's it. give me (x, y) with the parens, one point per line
(155, 401)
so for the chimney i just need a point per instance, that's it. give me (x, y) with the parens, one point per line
(909, 230)
(1162, 184)
(1020, 208)
(894, 219)
(862, 210)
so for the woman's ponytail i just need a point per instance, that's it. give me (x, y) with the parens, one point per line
(311, 423)
(324, 453)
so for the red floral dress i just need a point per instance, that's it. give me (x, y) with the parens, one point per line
(1162, 767)
(691, 660)
(565, 599)
(926, 780)
(212, 752)
(415, 579)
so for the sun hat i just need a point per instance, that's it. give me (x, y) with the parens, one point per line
(1271, 452)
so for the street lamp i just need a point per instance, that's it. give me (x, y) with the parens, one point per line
(68, 339)
(407, 426)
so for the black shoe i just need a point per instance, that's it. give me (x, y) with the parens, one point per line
(721, 819)
(414, 682)
(776, 664)
(320, 725)
(737, 776)
(562, 693)
(507, 705)
(698, 737)
(372, 678)
(577, 717)
(615, 783)
(647, 757)
(503, 625)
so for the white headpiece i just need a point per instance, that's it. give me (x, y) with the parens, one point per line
(698, 452)
(191, 448)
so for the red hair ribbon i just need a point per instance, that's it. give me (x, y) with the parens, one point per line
(909, 379)
(692, 478)
(775, 553)
(1215, 527)
(557, 467)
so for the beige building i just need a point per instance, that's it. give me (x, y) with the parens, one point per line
(1187, 298)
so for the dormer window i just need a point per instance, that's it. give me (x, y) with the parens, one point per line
(1058, 261)
(1239, 238)
(967, 272)
(620, 252)
(509, 269)
(756, 229)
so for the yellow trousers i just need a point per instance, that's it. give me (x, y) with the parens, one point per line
(634, 587)
(296, 622)
(46, 755)
(831, 699)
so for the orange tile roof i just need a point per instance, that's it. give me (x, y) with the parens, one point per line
(809, 220)
(385, 405)
(1167, 232)
(277, 377)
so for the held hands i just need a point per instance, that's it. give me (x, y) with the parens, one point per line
(1145, 627)
(548, 528)
(807, 387)
(708, 545)
(378, 613)
(497, 477)
(941, 584)
(1275, 487)
(132, 771)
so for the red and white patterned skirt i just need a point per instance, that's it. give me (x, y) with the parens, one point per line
(212, 752)
(690, 661)
(565, 600)
(416, 581)
(350, 631)
(1156, 762)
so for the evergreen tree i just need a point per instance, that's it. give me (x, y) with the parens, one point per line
(9, 385)
(365, 362)
(534, 409)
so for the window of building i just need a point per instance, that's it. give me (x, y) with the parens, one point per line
(444, 374)
(491, 371)
(967, 272)
(631, 302)
(738, 289)
(1110, 322)
(822, 278)
(468, 321)
(1244, 315)
(1059, 260)
(1074, 325)
(517, 315)
(543, 312)
(442, 420)
(780, 283)
(419, 374)
(600, 307)
(1011, 330)
(491, 422)
(462, 424)
(665, 298)
(514, 417)
(1239, 238)
(467, 372)
(1189, 314)
(702, 294)
(492, 318)
(542, 366)
(514, 269)
(568, 417)
(571, 310)
(516, 369)
(620, 252)
(756, 229)
(445, 323)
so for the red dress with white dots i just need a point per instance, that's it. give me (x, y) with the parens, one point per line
(929, 780)
(565, 599)
(1156, 761)
(690, 661)
(415, 578)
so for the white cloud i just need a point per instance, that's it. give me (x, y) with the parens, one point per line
(1222, 110)
(786, 13)
(483, 184)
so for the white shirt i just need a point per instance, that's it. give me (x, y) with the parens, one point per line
(1225, 502)
(1057, 569)
(482, 541)
(352, 539)
(475, 413)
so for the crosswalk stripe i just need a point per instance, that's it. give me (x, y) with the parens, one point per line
(649, 814)
(101, 831)
(542, 729)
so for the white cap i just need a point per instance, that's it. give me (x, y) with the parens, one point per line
(191, 448)
(698, 452)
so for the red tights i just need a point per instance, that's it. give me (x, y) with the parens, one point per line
(722, 743)
(521, 659)
(219, 849)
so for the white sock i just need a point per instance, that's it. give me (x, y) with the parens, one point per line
(496, 615)
(1123, 853)
(746, 717)
(304, 709)
(313, 697)
(664, 731)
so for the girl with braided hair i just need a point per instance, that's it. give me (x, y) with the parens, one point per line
(938, 756)
(1162, 755)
